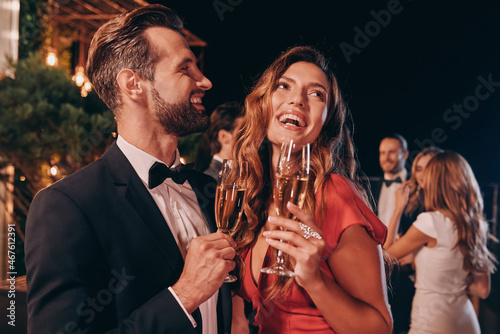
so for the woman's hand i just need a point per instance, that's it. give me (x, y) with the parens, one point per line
(401, 197)
(479, 284)
(305, 253)
(402, 194)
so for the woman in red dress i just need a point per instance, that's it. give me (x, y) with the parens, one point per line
(339, 285)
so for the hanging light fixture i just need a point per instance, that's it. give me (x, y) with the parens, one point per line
(51, 59)
(82, 81)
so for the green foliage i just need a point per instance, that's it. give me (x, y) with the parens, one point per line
(33, 18)
(188, 146)
(45, 122)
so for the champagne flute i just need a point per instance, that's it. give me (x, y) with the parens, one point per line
(229, 198)
(290, 185)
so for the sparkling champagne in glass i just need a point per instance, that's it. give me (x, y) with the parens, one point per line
(229, 198)
(290, 185)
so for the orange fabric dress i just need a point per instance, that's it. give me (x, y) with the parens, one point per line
(295, 312)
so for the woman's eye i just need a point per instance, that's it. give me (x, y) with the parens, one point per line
(282, 85)
(318, 94)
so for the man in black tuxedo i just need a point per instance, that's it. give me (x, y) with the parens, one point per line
(393, 153)
(107, 247)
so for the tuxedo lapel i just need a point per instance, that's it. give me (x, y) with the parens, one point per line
(376, 186)
(130, 186)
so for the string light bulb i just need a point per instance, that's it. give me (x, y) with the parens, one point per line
(51, 58)
(82, 81)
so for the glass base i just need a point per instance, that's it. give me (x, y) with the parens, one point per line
(230, 279)
(279, 270)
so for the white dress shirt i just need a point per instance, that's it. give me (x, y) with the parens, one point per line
(179, 206)
(218, 158)
(387, 197)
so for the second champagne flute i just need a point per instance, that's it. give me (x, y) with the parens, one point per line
(229, 198)
(290, 185)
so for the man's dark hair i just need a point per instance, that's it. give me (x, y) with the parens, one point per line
(121, 43)
(402, 141)
(222, 118)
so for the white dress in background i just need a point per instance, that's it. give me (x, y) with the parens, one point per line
(440, 304)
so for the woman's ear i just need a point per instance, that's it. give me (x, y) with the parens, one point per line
(130, 84)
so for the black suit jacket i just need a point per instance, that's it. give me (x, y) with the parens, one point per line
(100, 256)
(213, 169)
(376, 184)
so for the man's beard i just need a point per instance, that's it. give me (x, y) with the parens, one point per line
(397, 167)
(179, 119)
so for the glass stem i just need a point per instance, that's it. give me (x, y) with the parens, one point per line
(279, 257)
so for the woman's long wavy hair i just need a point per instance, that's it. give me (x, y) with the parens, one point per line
(451, 188)
(332, 152)
(416, 196)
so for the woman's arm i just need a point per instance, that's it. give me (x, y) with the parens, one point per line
(413, 238)
(401, 201)
(356, 301)
(479, 284)
(410, 241)
(359, 290)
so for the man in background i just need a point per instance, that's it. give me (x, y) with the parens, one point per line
(219, 137)
(393, 153)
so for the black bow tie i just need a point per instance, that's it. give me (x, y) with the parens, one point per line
(159, 172)
(389, 182)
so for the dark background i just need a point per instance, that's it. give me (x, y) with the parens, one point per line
(404, 79)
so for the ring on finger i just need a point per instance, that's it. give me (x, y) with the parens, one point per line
(309, 232)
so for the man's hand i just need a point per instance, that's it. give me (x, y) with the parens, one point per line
(209, 259)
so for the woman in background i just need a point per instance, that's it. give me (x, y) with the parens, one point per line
(416, 199)
(449, 245)
(415, 204)
(340, 281)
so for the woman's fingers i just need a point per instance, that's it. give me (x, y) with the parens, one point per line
(302, 215)
(286, 224)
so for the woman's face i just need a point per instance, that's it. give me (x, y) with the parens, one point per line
(299, 105)
(419, 169)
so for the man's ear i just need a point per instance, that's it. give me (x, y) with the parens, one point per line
(407, 153)
(130, 84)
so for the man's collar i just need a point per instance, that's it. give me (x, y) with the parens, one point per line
(140, 160)
(217, 157)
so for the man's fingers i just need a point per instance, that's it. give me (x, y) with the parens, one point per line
(220, 239)
(216, 249)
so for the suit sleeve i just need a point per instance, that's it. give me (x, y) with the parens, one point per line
(70, 287)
